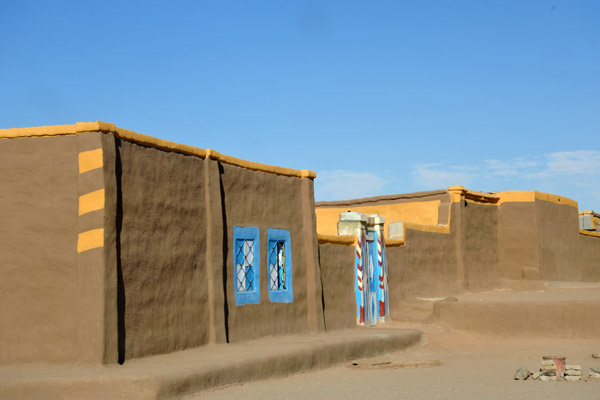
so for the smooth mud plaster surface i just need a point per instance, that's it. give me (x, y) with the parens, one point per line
(162, 251)
(337, 274)
(38, 241)
(265, 201)
(479, 238)
(517, 239)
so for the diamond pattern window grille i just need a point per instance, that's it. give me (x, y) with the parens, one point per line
(245, 265)
(277, 265)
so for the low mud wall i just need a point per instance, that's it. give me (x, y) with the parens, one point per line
(337, 275)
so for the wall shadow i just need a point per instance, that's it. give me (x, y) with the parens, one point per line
(121, 301)
(224, 254)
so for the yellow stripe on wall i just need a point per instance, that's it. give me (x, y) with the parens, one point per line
(90, 240)
(89, 160)
(91, 202)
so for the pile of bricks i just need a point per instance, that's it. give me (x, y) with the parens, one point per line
(572, 372)
(547, 371)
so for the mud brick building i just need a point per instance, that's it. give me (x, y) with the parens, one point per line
(116, 245)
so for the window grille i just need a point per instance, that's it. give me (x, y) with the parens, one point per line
(245, 265)
(277, 264)
(246, 261)
(279, 268)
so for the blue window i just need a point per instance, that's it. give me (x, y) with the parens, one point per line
(246, 260)
(279, 269)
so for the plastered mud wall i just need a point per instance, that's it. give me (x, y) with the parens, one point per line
(558, 238)
(337, 274)
(56, 301)
(38, 258)
(478, 256)
(518, 248)
(262, 200)
(425, 266)
(540, 239)
(163, 284)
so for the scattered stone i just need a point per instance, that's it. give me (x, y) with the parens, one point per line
(597, 370)
(596, 354)
(536, 375)
(594, 375)
(572, 378)
(547, 363)
(522, 374)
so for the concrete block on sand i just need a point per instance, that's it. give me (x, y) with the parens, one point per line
(572, 378)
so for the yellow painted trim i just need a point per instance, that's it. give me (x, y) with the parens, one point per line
(457, 192)
(426, 228)
(556, 199)
(91, 202)
(99, 126)
(516, 197)
(90, 240)
(589, 233)
(53, 130)
(335, 239)
(394, 242)
(89, 160)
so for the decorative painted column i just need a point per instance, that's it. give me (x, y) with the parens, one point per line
(375, 223)
(355, 223)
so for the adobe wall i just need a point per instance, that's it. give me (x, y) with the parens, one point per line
(588, 255)
(518, 247)
(266, 200)
(38, 214)
(478, 242)
(337, 274)
(558, 238)
(425, 266)
(162, 246)
(55, 298)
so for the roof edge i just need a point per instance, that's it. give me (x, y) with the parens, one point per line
(125, 134)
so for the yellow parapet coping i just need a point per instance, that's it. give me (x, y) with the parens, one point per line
(457, 192)
(99, 126)
(532, 195)
(336, 239)
(427, 228)
(394, 242)
(589, 233)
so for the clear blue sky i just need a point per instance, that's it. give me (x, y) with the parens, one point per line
(378, 97)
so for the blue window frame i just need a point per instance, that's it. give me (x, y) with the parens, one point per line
(279, 268)
(246, 263)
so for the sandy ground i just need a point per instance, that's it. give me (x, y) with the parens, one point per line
(448, 365)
